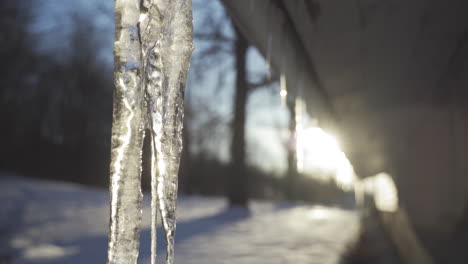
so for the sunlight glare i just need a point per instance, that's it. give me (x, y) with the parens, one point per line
(382, 188)
(385, 193)
(318, 150)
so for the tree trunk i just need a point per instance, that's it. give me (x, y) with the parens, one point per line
(237, 188)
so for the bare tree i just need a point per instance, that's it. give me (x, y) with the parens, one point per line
(238, 180)
(222, 49)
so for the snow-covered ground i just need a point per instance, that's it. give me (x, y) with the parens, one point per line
(50, 222)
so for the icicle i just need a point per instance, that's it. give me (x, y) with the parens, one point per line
(300, 112)
(283, 91)
(154, 79)
(299, 131)
(127, 137)
(283, 83)
(154, 44)
(177, 48)
(268, 55)
(151, 25)
(154, 202)
(169, 46)
(269, 43)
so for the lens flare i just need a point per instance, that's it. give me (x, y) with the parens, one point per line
(318, 150)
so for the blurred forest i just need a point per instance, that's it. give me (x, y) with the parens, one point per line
(56, 110)
(56, 114)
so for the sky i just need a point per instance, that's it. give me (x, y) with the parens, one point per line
(266, 121)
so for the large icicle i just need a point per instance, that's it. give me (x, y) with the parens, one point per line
(176, 47)
(164, 30)
(127, 137)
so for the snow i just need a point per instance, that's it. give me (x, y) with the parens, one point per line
(51, 222)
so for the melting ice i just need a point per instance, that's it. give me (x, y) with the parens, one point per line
(153, 47)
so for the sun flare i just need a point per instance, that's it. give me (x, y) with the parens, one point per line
(320, 151)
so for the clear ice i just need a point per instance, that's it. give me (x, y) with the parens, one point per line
(153, 46)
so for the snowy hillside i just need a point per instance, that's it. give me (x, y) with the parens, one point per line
(50, 222)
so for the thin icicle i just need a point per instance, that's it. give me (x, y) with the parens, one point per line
(299, 129)
(283, 89)
(268, 55)
(151, 24)
(299, 112)
(269, 43)
(127, 138)
(154, 204)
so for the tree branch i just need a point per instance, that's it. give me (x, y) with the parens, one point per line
(265, 82)
(216, 36)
